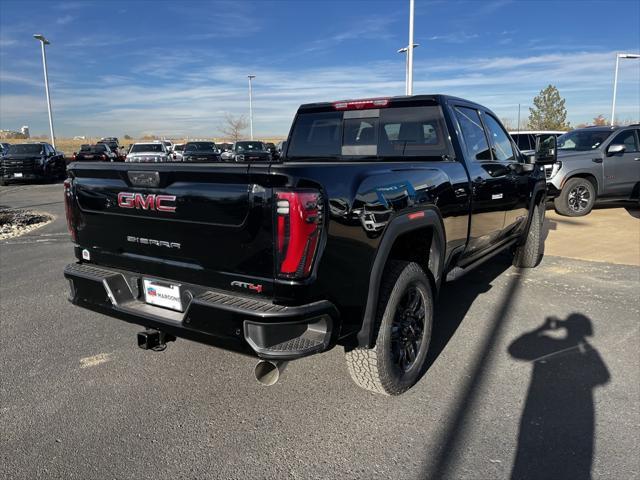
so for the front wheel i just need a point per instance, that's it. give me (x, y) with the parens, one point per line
(576, 198)
(404, 319)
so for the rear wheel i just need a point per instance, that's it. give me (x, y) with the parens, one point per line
(576, 198)
(404, 319)
(529, 253)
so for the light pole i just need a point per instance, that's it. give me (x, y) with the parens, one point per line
(410, 50)
(406, 68)
(251, 77)
(43, 41)
(615, 80)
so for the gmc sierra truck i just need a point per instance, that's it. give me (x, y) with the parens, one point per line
(346, 240)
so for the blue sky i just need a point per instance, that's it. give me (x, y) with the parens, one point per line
(176, 68)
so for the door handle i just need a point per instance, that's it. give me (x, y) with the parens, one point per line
(597, 160)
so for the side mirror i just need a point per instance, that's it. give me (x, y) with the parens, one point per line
(546, 149)
(616, 148)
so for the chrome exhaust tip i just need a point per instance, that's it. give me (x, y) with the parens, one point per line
(268, 372)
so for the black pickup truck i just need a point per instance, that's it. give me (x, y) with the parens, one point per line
(345, 240)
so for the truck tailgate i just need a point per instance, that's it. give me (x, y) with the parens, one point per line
(199, 223)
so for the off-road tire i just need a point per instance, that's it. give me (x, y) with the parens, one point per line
(529, 254)
(561, 202)
(374, 368)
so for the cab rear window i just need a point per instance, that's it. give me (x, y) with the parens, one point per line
(376, 134)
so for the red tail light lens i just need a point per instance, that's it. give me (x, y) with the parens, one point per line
(68, 198)
(298, 230)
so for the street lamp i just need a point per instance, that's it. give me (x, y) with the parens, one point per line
(410, 50)
(43, 41)
(615, 80)
(406, 72)
(251, 77)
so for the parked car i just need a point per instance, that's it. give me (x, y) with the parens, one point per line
(3, 148)
(32, 161)
(247, 151)
(346, 242)
(148, 152)
(595, 163)
(112, 142)
(99, 152)
(225, 147)
(201, 152)
(272, 149)
(169, 145)
(177, 152)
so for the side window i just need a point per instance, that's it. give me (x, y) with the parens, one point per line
(500, 143)
(628, 139)
(473, 133)
(413, 132)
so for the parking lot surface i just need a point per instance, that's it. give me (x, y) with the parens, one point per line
(534, 374)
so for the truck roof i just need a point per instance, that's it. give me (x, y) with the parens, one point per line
(408, 100)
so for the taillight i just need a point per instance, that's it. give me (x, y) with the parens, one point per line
(361, 104)
(298, 229)
(68, 210)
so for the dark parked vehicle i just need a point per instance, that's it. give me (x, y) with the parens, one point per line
(595, 163)
(32, 161)
(96, 153)
(201, 152)
(3, 148)
(272, 149)
(346, 241)
(247, 151)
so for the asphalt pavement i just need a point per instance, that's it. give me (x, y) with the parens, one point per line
(534, 374)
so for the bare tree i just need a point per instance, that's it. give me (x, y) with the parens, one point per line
(233, 127)
(600, 120)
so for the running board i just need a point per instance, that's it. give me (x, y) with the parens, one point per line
(458, 272)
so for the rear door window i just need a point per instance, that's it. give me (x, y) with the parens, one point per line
(473, 133)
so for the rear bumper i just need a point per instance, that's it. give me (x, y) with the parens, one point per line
(243, 324)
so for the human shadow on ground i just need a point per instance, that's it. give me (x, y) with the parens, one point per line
(557, 427)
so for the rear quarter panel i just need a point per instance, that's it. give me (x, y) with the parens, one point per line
(361, 198)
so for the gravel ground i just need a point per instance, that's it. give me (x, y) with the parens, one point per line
(14, 223)
(532, 375)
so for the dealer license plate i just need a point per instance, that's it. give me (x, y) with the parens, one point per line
(17, 175)
(162, 294)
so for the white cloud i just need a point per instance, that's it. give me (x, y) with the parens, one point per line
(65, 19)
(194, 98)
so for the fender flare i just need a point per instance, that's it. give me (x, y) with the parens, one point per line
(532, 203)
(398, 226)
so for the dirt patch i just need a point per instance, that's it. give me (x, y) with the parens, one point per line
(14, 223)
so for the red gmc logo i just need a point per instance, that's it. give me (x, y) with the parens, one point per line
(146, 202)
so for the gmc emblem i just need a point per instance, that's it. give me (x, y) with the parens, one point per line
(146, 202)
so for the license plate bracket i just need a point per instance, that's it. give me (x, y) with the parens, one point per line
(163, 294)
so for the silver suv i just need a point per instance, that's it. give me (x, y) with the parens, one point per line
(595, 163)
